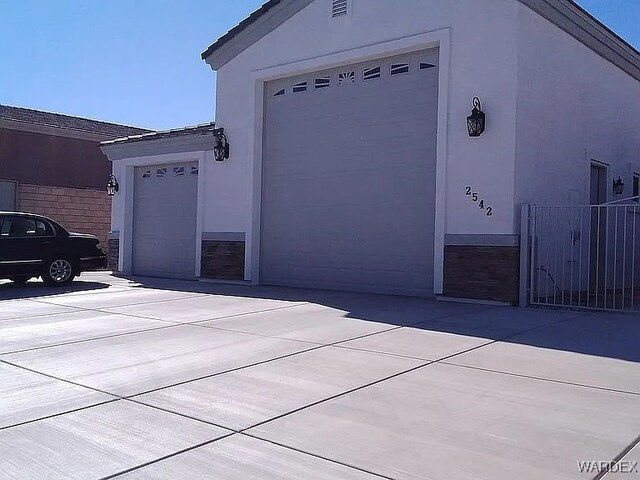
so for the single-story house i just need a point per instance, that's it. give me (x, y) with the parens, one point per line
(51, 164)
(356, 161)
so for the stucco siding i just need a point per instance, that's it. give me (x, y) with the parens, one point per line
(483, 61)
(573, 107)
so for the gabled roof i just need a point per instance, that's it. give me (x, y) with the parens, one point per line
(565, 14)
(201, 129)
(267, 18)
(240, 27)
(27, 116)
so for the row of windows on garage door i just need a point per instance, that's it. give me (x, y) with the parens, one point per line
(348, 185)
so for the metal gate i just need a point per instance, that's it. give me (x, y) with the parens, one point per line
(582, 256)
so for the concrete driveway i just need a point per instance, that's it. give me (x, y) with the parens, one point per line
(157, 379)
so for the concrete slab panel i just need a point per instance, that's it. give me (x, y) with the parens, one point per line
(442, 422)
(27, 308)
(597, 350)
(135, 363)
(27, 396)
(96, 442)
(32, 332)
(243, 458)
(309, 323)
(200, 308)
(252, 395)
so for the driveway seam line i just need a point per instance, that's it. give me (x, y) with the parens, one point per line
(289, 447)
(195, 295)
(73, 342)
(190, 417)
(338, 342)
(169, 324)
(59, 414)
(77, 310)
(618, 458)
(533, 377)
(174, 322)
(59, 379)
(165, 457)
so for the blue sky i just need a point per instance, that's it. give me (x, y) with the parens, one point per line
(138, 62)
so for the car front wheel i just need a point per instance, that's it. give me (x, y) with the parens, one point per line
(58, 272)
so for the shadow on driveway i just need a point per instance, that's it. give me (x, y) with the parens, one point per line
(601, 334)
(32, 289)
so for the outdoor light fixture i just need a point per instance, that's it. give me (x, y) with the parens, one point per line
(618, 186)
(221, 150)
(112, 185)
(476, 121)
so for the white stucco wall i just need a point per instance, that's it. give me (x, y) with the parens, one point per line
(573, 106)
(482, 60)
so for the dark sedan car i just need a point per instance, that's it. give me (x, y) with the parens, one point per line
(35, 246)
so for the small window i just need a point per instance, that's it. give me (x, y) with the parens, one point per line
(322, 82)
(279, 93)
(8, 190)
(371, 73)
(345, 78)
(194, 170)
(178, 171)
(300, 87)
(146, 174)
(25, 227)
(43, 229)
(426, 65)
(161, 172)
(6, 227)
(636, 186)
(339, 8)
(399, 68)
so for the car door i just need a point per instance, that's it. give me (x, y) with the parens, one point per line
(24, 244)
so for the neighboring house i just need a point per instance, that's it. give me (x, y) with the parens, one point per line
(351, 165)
(51, 164)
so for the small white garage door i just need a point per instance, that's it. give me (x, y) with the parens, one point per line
(164, 220)
(349, 177)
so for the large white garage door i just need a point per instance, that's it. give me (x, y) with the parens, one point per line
(349, 177)
(164, 217)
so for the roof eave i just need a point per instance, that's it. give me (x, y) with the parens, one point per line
(565, 14)
(260, 23)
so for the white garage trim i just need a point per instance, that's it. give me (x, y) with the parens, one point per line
(127, 182)
(438, 39)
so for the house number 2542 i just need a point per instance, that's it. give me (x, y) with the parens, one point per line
(475, 198)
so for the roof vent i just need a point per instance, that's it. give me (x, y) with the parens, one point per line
(339, 8)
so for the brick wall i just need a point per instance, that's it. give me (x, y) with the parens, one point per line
(482, 272)
(222, 260)
(113, 251)
(78, 210)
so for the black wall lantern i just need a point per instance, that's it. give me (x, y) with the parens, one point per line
(221, 149)
(618, 186)
(476, 121)
(112, 185)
